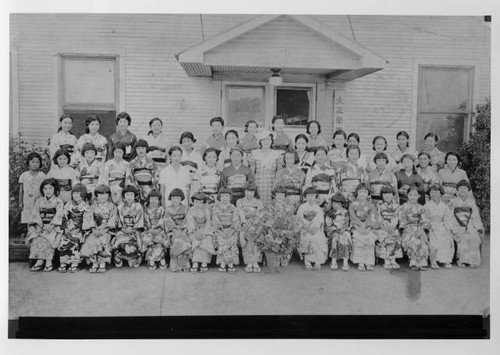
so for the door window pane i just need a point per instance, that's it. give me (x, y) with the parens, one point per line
(244, 103)
(294, 105)
(448, 127)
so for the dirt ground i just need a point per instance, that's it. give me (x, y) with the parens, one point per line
(293, 290)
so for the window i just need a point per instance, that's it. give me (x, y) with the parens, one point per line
(294, 104)
(444, 105)
(88, 85)
(244, 103)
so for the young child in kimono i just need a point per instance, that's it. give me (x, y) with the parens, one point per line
(175, 226)
(226, 224)
(97, 249)
(441, 245)
(450, 175)
(350, 175)
(89, 169)
(142, 172)
(338, 231)
(44, 226)
(291, 177)
(113, 173)
(282, 205)
(209, 176)
(29, 186)
(65, 175)
(379, 145)
(199, 227)
(388, 245)
(249, 207)
(127, 243)
(466, 227)
(231, 140)
(313, 242)
(413, 220)
(77, 221)
(154, 239)
(381, 176)
(364, 220)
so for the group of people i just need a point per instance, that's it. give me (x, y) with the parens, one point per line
(122, 199)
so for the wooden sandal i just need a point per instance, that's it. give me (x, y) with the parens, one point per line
(73, 268)
(48, 268)
(62, 268)
(93, 269)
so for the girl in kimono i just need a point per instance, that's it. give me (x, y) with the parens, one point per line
(408, 177)
(249, 142)
(249, 208)
(429, 175)
(403, 147)
(92, 135)
(199, 228)
(64, 140)
(65, 175)
(97, 246)
(29, 185)
(44, 226)
(351, 174)
(388, 246)
(321, 177)
(113, 173)
(450, 175)
(437, 156)
(379, 145)
(353, 140)
(264, 163)
(89, 168)
(77, 221)
(232, 140)
(158, 143)
(364, 219)
(141, 171)
(313, 130)
(209, 176)
(466, 227)
(313, 243)
(338, 231)
(175, 176)
(306, 159)
(281, 140)
(154, 239)
(291, 177)
(337, 156)
(123, 135)
(190, 157)
(236, 176)
(279, 207)
(441, 246)
(127, 243)
(413, 220)
(226, 224)
(381, 176)
(175, 225)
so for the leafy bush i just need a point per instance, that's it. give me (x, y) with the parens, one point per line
(475, 156)
(18, 152)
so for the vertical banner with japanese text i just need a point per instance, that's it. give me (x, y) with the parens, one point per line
(338, 109)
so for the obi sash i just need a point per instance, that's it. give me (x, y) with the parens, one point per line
(388, 213)
(292, 191)
(47, 214)
(190, 164)
(128, 221)
(280, 147)
(463, 215)
(226, 219)
(67, 148)
(376, 186)
(362, 215)
(309, 215)
(64, 184)
(143, 176)
(159, 160)
(154, 147)
(76, 215)
(349, 184)
(89, 179)
(200, 220)
(178, 218)
(236, 181)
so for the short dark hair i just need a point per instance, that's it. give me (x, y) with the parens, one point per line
(173, 149)
(454, 154)
(319, 148)
(295, 155)
(33, 155)
(404, 134)
(272, 140)
(89, 120)
(88, 146)
(52, 182)
(376, 139)
(153, 120)
(342, 133)
(310, 191)
(119, 145)
(102, 189)
(352, 148)
(81, 189)
(301, 136)
(217, 119)
(381, 155)
(309, 126)
(60, 152)
(434, 135)
(361, 186)
(355, 135)
(123, 115)
(188, 135)
(248, 124)
(232, 131)
(277, 117)
(210, 150)
(61, 118)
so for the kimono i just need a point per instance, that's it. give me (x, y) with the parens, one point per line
(128, 240)
(437, 159)
(313, 242)
(225, 158)
(378, 179)
(322, 178)
(236, 180)
(97, 246)
(180, 243)
(143, 174)
(129, 139)
(100, 143)
(282, 141)
(465, 227)
(249, 210)
(113, 175)
(200, 232)
(66, 177)
(413, 220)
(266, 165)
(337, 158)
(405, 181)
(154, 239)
(31, 191)
(363, 219)
(293, 181)
(218, 142)
(441, 244)
(249, 143)
(315, 142)
(338, 232)
(392, 166)
(77, 221)
(226, 224)
(89, 174)
(66, 142)
(193, 160)
(158, 149)
(349, 177)
(429, 177)
(397, 154)
(41, 242)
(306, 161)
(171, 179)
(449, 180)
(209, 182)
(388, 239)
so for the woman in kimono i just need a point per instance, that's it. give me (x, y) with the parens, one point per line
(321, 177)
(113, 173)
(337, 156)
(89, 169)
(236, 176)
(141, 171)
(281, 140)
(403, 147)
(429, 175)
(437, 156)
(65, 175)
(232, 140)
(65, 141)
(158, 143)
(408, 177)
(97, 246)
(123, 135)
(313, 130)
(379, 145)
(291, 177)
(209, 176)
(306, 159)
(249, 141)
(350, 175)
(92, 135)
(190, 157)
(154, 239)
(44, 226)
(175, 225)
(450, 175)
(381, 176)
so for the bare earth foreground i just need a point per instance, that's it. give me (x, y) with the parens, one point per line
(294, 290)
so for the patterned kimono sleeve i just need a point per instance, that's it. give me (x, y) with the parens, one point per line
(58, 217)
(425, 221)
(155, 174)
(168, 220)
(403, 216)
(448, 218)
(236, 218)
(475, 217)
(36, 219)
(113, 217)
(318, 221)
(241, 211)
(355, 221)
(88, 221)
(363, 176)
(129, 174)
(250, 177)
(139, 217)
(215, 219)
(190, 222)
(104, 175)
(375, 218)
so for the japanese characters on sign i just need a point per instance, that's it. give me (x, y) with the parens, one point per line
(338, 109)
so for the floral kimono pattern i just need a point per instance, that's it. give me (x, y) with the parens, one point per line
(209, 180)
(97, 246)
(378, 179)
(77, 221)
(100, 143)
(441, 244)
(249, 210)
(338, 232)
(158, 148)
(42, 242)
(313, 242)
(66, 177)
(31, 191)
(337, 158)
(388, 238)
(154, 239)
(113, 175)
(180, 249)
(65, 142)
(465, 227)
(200, 232)
(226, 223)
(449, 180)
(306, 161)
(89, 174)
(128, 240)
(349, 177)
(322, 178)
(363, 219)
(236, 180)
(143, 174)
(293, 181)
(413, 220)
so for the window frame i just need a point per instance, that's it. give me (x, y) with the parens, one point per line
(295, 86)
